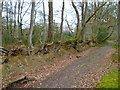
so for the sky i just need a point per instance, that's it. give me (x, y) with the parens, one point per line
(57, 7)
(69, 13)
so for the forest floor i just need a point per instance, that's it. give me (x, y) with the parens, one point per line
(79, 70)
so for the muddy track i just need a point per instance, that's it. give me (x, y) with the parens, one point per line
(83, 72)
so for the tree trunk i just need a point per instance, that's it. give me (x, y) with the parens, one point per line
(78, 19)
(94, 31)
(44, 28)
(7, 20)
(11, 18)
(62, 19)
(68, 26)
(18, 20)
(15, 29)
(31, 24)
(119, 26)
(82, 21)
(21, 8)
(50, 20)
(1, 5)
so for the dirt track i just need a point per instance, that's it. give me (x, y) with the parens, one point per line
(84, 72)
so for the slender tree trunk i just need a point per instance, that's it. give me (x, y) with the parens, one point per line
(44, 28)
(119, 22)
(18, 19)
(119, 28)
(68, 26)
(31, 24)
(82, 21)
(84, 11)
(1, 5)
(7, 21)
(94, 25)
(11, 18)
(21, 8)
(15, 29)
(62, 19)
(50, 20)
(78, 19)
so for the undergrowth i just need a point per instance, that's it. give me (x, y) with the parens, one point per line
(110, 80)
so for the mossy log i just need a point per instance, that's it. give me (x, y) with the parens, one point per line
(11, 83)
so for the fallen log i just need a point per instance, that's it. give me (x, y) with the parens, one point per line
(20, 80)
(10, 84)
(4, 50)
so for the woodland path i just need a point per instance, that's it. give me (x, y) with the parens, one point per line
(84, 72)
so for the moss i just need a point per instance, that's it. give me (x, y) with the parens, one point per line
(90, 59)
(84, 65)
(9, 83)
(110, 80)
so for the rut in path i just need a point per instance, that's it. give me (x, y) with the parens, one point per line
(74, 72)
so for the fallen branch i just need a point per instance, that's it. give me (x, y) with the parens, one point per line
(10, 84)
(44, 48)
(19, 80)
(4, 50)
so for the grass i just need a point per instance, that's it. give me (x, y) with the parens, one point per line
(110, 80)
(84, 65)
(93, 58)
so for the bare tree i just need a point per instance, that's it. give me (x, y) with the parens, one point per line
(7, 18)
(78, 19)
(119, 24)
(84, 11)
(50, 20)
(44, 28)
(15, 19)
(18, 19)
(32, 17)
(62, 19)
(11, 18)
(1, 5)
(90, 17)
(21, 8)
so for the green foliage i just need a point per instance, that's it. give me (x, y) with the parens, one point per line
(110, 80)
(67, 36)
(56, 34)
(37, 34)
(9, 83)
(7, 38)
(102, 33)
(116, 45)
